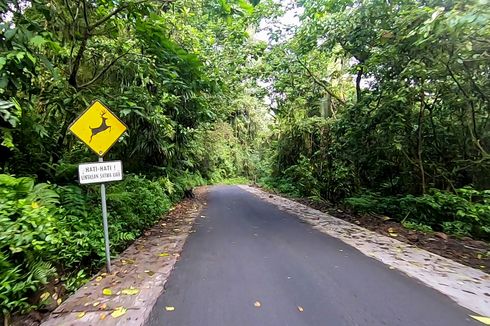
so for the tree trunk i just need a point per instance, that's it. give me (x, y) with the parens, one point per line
(419, 143)
(360, 71)
(76, 65)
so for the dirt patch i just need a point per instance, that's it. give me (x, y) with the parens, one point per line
(138, 278)
(469, 252)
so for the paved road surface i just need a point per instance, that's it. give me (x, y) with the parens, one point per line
(246, 250)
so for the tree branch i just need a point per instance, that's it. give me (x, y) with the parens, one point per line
(76, 65)
(360, 71)
(420, 139)
(319, 82)
(70, 11)
(85, 18)
(88, 32)
(103, 71)
(473, 132)
(113, 13)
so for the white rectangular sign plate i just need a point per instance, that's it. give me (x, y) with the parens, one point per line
(100, 172)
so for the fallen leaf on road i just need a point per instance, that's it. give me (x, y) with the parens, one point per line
(59, 301)
(95, 304)
(119, 312)
(169, 308)
(150, 273)
(300, 309)
(103, 306)
(107, 291)
(484, 320)
(257, 304)
(130, 291)
(98, 278)
(45, 295)
(164, 254)
(80, 315)
(102, 316)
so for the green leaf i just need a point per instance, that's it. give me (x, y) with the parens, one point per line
(246, 6)
(9, 34)
(8, 139)
(20, 55)
(3, 61)
(37, 40)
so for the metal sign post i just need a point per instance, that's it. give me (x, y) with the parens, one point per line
(106, 225)
(99, 129)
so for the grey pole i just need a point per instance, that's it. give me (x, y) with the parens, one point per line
(106, 227)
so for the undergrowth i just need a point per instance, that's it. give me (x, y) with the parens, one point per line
(52, 232)
(463, 213)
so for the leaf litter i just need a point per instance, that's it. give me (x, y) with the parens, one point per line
(481, 319)
(130, 291)
(118, 312)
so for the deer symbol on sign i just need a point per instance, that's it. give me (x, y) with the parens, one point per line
(103, 126)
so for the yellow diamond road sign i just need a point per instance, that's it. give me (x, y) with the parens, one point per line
(98, 127)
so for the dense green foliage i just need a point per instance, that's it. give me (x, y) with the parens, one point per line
(386, 103)
(170, 70)
(157, 66)
(467, 212)
(51, 231)
(382, 106)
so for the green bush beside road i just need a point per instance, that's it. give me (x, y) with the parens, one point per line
(52, 232)
(464, 213)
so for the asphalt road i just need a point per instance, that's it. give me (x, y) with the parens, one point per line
(246, 250)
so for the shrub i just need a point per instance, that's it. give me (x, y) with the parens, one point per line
(29, 239)
(48, 230)
(466, 212)
(416, 226)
